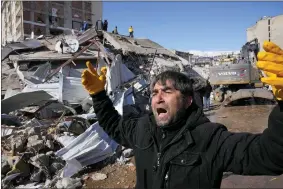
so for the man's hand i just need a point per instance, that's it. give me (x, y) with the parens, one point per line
(271, 62)
(93, 82)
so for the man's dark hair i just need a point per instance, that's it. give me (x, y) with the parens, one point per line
(180, 82)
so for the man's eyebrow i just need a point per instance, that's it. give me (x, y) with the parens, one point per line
(164, 88)
(167, 88)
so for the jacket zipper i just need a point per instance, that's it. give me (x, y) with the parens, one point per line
(158, 159)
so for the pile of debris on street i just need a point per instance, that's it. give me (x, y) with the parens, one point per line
(49, 130)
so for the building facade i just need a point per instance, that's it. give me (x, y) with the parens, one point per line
(20, 18)
(267, 28)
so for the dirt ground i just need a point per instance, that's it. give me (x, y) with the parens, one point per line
(237, 119)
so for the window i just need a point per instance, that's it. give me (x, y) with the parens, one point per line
(76, 25)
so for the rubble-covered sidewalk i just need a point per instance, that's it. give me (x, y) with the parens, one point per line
(49, 130)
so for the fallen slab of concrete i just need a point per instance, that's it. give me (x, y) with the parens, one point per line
(21, 100)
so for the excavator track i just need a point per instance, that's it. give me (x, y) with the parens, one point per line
(248, 94)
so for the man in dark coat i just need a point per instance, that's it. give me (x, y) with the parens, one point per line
(206, 95)
(105, 25)
(176, 146)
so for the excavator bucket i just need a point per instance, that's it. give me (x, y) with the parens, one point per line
(248, 94)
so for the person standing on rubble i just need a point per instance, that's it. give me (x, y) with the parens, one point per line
(115, 31)
(176, 146)
(105, 25)
(131, 31)
(206, 95)
(85, 26)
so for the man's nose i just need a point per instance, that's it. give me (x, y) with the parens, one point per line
(159, 97)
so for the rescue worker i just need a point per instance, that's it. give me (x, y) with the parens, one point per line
(131, 31)
(115, 31)
(176, 146)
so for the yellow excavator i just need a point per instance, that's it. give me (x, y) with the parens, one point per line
(240, 80)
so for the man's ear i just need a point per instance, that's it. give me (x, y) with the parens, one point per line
(189, 101)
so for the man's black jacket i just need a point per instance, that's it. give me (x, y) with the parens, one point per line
(194, 152)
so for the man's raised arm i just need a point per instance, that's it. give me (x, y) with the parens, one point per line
(252, 154)
(258, 154)
(122, 131)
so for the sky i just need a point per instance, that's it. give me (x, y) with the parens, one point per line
(205, 26)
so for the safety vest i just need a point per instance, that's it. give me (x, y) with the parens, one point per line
(130, 29)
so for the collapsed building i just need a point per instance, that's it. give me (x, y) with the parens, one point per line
(49, 129)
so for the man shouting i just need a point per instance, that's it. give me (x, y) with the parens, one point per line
(176, 146)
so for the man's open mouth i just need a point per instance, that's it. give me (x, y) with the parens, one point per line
(161, 111)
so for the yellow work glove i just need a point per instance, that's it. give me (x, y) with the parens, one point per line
(271, 62)
(93, 82)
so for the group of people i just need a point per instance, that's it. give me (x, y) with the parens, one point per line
(104, 26)
(131, 31)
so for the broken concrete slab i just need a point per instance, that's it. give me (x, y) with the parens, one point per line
(40, 161)
(10, 120)
(35, 144)
(10, 84)
(18, 166)
(34, 131)
(18, 143)
(50, 56)
(17, 46)
(21, 100)
(87, 35)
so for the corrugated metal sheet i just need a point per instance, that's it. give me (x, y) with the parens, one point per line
(69, 87)
(73, 90)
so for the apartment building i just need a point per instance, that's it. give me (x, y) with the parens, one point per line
(267, 28)
(20, 18)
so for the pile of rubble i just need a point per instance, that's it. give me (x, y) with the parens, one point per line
(49, 129)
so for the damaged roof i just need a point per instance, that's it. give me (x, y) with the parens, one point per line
(138, 46)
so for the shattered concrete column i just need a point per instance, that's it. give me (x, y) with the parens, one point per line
(47, 30)
(68, 14)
